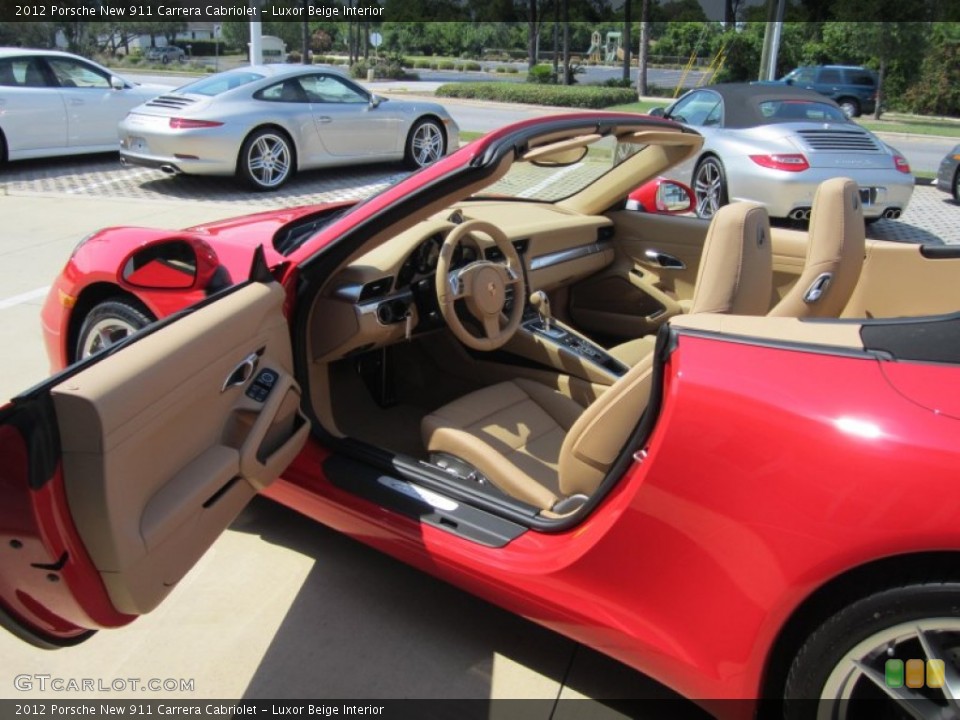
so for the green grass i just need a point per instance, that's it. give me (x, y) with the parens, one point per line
(469, 135)
(912, 124)
(641, 106)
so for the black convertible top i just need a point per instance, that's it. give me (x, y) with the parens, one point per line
(741, 101)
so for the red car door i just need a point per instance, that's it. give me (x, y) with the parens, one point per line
(117, 475)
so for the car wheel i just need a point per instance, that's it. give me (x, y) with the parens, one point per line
(850, 107)
(862, 654)
(956, 183)
(266, 159)
(165, 59)
(426, 144)
(3, 147)
(108, 323)
(710, 187)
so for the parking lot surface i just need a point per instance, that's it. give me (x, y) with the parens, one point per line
(931, 217)
(282, 607)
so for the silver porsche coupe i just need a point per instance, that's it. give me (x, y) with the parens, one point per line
(264, 122)
(775, 145)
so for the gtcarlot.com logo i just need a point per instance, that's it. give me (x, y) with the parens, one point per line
(26, 683)
(914, 673)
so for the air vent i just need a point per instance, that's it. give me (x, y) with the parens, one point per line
(839, 140)
(376, 289)
(171, 102)
(495, 254)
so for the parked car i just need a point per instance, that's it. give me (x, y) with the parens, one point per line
(853, 88)
(948, 176)
(775, 145)
(166, 54)
(265, 122)
(757, 507)
(114, 283)
(54, 103)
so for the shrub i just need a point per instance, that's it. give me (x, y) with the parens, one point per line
(446, 65)
(541, 75)
(590, 96)
(381, 71)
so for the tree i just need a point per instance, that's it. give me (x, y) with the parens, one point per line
(884, 45)
(644, 49)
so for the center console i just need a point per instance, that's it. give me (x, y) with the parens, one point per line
(566, 344)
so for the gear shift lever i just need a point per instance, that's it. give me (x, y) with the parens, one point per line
(541, 303)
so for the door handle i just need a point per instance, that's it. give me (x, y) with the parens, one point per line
(76, 101)
(242, 372)
(665, 260)
(323, 119)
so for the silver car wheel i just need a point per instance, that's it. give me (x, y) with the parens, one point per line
(709, 187)
(426, 144)
(861, 671)
(108, 323)
(850, 108)
(268, 160)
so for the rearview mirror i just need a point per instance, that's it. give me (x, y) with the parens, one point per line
(116, 83)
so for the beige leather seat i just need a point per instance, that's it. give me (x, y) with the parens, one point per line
(540, 446)
(835, 252)
(735, 276)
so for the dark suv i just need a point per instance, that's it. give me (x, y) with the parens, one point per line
(853, 88)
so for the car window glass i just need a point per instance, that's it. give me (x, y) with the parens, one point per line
(829, 75)
(860, 78)
(800, 110)
(695, 108)
(15, 71)
(73, 74)
(715, 116)
(329, 89)
(286, 91)
(220, 83)
(802, 76)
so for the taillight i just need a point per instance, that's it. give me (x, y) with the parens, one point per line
(782, 161)
(901, 164)
(187, 124)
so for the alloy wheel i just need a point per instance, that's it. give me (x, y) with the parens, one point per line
(268, 160)
(105, 333)
(708, 189)
(876, 669)
(426, 145)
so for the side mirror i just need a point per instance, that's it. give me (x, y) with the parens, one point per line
(375, 101)
(658, 112)
(116, 83)
(171, 265)
(789, 81)
(662, 196)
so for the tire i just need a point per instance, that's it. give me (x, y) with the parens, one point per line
(266, 159)
(956, 181)
(919, 621)
(710, 187)
(108, 323)
(426, 143)
(3, 148)
(850, 107)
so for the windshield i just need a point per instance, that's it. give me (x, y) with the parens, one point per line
(539, 181)
(219, 83)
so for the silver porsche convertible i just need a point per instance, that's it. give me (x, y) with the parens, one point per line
(775, 145)
(264, 122)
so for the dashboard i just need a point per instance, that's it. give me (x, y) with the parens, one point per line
(388, 294)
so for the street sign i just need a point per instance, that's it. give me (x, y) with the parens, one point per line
(376, 39)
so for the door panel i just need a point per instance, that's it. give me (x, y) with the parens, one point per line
(638, 293)
(163, 443)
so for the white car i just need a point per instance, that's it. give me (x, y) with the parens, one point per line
(54, 103)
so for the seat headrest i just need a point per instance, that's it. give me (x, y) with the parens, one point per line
(835, 250)
(736, 268)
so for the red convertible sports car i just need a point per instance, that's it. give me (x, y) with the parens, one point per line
(725, 455)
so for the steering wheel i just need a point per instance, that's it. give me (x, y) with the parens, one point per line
(483, 286)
